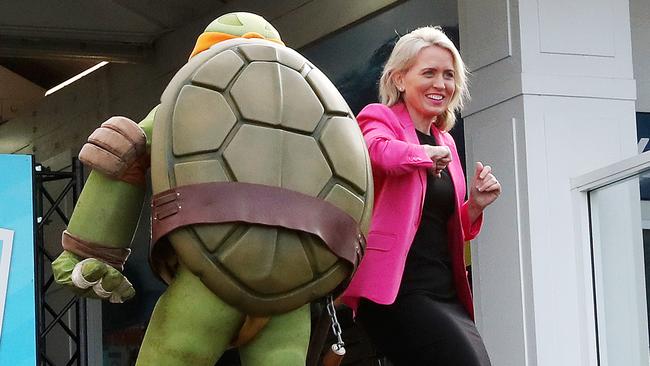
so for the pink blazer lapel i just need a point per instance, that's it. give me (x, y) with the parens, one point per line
(411, 136)
(404, 119)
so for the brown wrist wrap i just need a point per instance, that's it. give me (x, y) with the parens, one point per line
(115, 257)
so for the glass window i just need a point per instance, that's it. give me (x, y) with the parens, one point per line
(619, 218)
(643, 131)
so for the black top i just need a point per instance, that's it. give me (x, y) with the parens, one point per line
(428, 265)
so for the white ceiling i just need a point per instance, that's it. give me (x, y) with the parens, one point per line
(114, 30)
(45, 42)
(73, 34)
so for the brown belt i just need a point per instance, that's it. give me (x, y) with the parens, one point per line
(223, 202)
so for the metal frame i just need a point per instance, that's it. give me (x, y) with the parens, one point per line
(75, 308)
(612, 173)
(581, 186)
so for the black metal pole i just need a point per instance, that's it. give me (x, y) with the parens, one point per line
(75, 179)
(78, 176)
(82, 323)
(39, 262)
(37, 289)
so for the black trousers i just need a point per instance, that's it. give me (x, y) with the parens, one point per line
(420, 330)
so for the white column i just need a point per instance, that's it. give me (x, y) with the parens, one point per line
(553, 97)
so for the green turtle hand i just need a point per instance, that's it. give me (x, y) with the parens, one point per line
(92, 278)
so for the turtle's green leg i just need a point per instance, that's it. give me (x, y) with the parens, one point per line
(282, 342)
(189, 326)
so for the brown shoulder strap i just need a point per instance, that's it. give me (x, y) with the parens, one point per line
(222, 202)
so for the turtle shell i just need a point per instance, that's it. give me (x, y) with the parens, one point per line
(249, 110)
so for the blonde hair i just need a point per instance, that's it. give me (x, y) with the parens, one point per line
(403, 57)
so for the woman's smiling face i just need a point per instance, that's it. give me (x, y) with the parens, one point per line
(429, 84)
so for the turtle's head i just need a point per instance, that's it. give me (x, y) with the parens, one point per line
(235, 25)
(240, 23)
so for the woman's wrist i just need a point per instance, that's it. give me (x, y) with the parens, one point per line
(474, 210)
(430, 152)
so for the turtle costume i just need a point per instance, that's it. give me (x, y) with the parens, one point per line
(262, 194)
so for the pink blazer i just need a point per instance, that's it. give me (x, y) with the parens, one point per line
(399, 166)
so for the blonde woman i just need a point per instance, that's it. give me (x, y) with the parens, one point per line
(411, 292)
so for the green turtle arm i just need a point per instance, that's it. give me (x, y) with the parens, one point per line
(107, 211)
(147, 126)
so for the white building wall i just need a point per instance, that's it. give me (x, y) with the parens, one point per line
(502, 253)
(551, 100)
(640, 21)
(21, 96)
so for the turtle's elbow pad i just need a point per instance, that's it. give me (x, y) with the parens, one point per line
(118, 149)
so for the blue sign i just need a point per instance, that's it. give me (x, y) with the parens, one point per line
(17, 276)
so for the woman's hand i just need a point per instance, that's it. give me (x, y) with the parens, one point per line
(484, 189)
(440, 155)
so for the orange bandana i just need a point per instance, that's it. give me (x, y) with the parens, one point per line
(207, 39)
